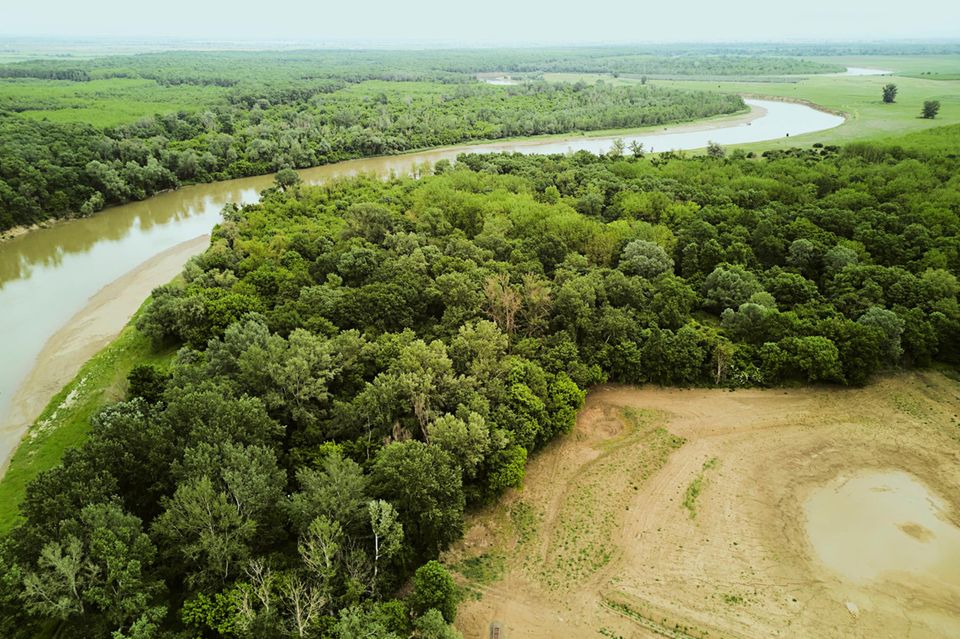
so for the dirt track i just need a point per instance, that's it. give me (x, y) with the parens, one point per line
(615, 546)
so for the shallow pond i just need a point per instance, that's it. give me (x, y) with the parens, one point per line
(865, 525)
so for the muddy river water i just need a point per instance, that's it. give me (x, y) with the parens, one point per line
(48, 276)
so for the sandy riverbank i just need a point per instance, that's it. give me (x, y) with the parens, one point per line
(88, 331)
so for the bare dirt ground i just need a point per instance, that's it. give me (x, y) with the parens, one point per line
(680, 513)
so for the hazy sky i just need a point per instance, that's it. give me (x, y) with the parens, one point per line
(487, 21)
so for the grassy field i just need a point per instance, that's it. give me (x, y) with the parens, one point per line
(101, 103)
(857, 97)
(66, 419)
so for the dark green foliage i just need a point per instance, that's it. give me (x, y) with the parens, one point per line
(930, 109)
(889, 93)
(431, 507)
(147, 383)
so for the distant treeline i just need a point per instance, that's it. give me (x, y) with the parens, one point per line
(363, 361)
(54, 170)
(230, 68)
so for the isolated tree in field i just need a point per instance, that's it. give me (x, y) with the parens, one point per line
(714, 150)
(889, 93)
(930, 109)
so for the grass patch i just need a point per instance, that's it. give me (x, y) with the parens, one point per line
(652, 619)
(65, 421)
(696, 487)
(524, 521)
(102, 103)
(482, 569)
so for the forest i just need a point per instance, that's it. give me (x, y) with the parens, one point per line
(61, 169)
(362, 363)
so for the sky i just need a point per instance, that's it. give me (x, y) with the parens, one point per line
(487, 22)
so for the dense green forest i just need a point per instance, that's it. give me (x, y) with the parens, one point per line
(57, 169)
(364, 361)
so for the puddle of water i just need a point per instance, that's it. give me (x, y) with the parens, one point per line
(878, 522)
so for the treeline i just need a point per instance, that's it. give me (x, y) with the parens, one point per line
(362, 362)
(55, 170)
(246, 68)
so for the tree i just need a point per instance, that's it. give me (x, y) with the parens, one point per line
(930, 109)
(467, 441)
(645, 259)
(433, 587)
(431, 625)
(891, 325)
(729, 287)
(204, 529)
(716, 151)
(387, 533)
(503, 301)
(147, 382)
(337, 490)
(616, 148)
(889, 93)
(424, 484)
(102, 560)
(636, 147)
(287, 178)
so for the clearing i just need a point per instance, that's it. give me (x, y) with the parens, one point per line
(607, 537)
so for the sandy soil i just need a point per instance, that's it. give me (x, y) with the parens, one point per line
(85, 334)
(616, 547)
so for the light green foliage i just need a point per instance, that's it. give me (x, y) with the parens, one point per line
(337, 490)
(209, 532)
(645, 259)
(432, 625)
(102, 563)
(729, 287)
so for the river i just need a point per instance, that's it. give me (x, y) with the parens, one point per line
(49, 277)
